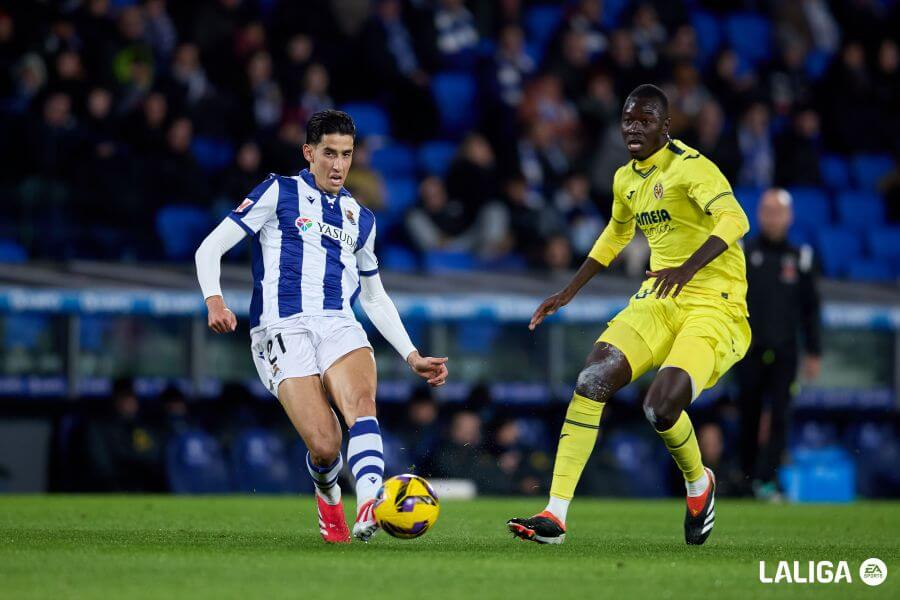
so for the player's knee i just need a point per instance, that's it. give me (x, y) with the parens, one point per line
(324, 450)
(661, 407)
(598, 381)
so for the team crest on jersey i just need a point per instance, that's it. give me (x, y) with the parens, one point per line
(303, 224)
(247, 203)
(658, 191)
(350, 217)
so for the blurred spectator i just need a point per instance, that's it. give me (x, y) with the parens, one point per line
(850, 112)
(582, 217)
(649, 35)
(367, 183)
(799, 151)
(421, 433)
(586, 18)
(462, 455)
(711, 139)
(557, 254)
(175, 177)
(755, 143)
(783, 301)
(456, 36)
(242, 177)
(314, 95)
(124, 453)
(442, 223)
(146, 131)
(159, 30)
(732, 83)
(686, 97)
(265, 95)
(398, 71)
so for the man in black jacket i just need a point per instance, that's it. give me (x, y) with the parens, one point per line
(784, 305)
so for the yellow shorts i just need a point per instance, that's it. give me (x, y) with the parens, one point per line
(703, 335)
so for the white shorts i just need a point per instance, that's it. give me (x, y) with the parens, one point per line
(303, 346)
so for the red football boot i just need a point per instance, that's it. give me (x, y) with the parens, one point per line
(332, 523)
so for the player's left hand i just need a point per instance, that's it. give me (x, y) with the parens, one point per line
(432, 369)
(671, 280)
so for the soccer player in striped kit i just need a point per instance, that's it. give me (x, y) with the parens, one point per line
(313, 255)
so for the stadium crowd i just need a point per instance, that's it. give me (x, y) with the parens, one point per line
(489, 130)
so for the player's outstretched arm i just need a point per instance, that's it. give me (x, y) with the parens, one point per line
(384, 316)
(585, 273)
(208, 259)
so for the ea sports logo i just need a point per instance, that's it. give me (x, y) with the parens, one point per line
(873, 571)
(303, 224)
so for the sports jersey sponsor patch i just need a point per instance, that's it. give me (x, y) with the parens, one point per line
(244, 206)
(350, 217)
(303, 224)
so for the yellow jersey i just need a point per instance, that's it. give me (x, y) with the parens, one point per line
(678, 198)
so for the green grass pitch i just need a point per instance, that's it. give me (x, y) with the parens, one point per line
(264, 547)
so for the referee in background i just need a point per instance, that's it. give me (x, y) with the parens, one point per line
(783, 300)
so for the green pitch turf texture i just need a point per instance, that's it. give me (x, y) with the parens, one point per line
(264, 547)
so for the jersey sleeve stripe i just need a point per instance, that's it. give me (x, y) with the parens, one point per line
(243, 225)
(708, 204)
(369, 273)
(625, 222)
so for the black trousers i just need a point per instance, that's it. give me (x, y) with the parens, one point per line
(765, 373)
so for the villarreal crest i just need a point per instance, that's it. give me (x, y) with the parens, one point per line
(658, 191)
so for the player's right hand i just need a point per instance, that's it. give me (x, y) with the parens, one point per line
(547, 308)
(220, 319)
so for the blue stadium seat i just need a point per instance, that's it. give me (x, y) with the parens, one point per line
(477, 336)
(181, 228)
(838, 248)
(749, 34)
(541, 23)
(835, 172)
(25, 330)
(394, 160)
(871, 270)
(439, 262)
(748, 198)
(708, 31)
(195, 464)
(398, 258)
(370, 119)
(455, 95)
(613, 13)
(884, 243)
(859, 210)
(260, 463)
(11, 252)
(435, 157)
(212, 154)
(401, 193)
(870, 169)
(811, 207)
(812, 434)
(817, 63)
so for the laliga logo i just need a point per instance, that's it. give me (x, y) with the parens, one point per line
(872, 572)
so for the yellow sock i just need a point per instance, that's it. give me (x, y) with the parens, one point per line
(576, 442)
(682, 445)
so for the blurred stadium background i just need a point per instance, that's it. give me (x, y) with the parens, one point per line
(488, 141)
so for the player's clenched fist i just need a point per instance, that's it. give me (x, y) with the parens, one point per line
(221, 319)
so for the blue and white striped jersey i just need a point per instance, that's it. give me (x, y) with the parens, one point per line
(309, 248)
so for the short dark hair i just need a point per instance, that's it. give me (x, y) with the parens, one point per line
(329, 121)
(648, 91)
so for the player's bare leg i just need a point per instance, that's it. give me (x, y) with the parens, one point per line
(305, 403)
(669, 395)
(606, 371)
(352, 381)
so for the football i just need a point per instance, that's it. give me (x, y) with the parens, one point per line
(406, 506)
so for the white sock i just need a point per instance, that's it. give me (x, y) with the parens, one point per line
(696, 488)
(558, 507)
(365, 456)
(326, 479)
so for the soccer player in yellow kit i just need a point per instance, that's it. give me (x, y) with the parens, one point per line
(689, 318)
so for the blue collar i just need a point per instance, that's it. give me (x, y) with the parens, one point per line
(306, 176)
